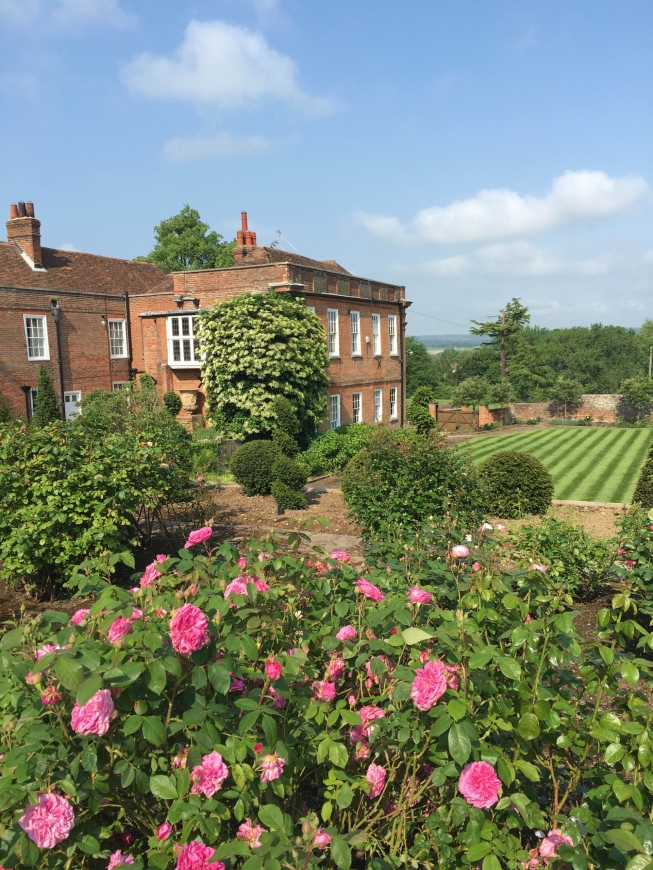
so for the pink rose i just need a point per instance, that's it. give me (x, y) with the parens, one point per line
(376, 777)
(476, 566)
(208, 776)
(45, 650)
(118, 629)
(50, 696)
(250, 833)
(188, 630)
(486, 527)
(340, 556)
(93, 717)
(49, 822)
(429, 685)
(460, 551)
(261, 585)
(272, 668)
(119, 860)
(195, 856)
(347, 632)
(31, 678)
(179, 761)
(549, 845)
(479, 784)
(419, 596)
(324, 691)
(237, 586)
(321, 839)
(200, 479)
(361, 753)
(164, 831)
(368, 714)
(79, 616)
(369, 590)
(335, 669)
(452, 676)
(198, 536)
(263, 556)
(278, 702)
(621, 552)
(237, 683)
(161, 558)
(536, 567)
(272, 767)
(149, 576)
(242, 562)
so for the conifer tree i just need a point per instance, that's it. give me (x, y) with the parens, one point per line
(46, 405)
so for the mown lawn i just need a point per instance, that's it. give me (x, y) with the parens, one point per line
(586, 464)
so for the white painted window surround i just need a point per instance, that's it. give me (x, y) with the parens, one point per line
(334, 411)
(355, 327)
(378, 406)
(184, 350)
(36, 336)
(393, 403)
(333, 332)
(376, 334)
(117, 338)
(392, 334)
(356, 408)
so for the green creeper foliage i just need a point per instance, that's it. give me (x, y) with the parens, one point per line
(286, 497)
(6, 415)
(421, 367)
(420, 418)
(184, 242)
(401, 480)
(423, 396)
(47, 409)
(289, 472)
(286, 426)
(258, 347)
(251, 466)
(172, 402)
(515, 484)
(330, 452)
(637, 396)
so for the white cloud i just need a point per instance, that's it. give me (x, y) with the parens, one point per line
(225, 144)
(220, 64)
(500, 213)
(67, 247)
(66, 13)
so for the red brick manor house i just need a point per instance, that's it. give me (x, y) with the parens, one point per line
(97, 322)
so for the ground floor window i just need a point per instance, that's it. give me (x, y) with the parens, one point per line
(356, 415)
(378, 406)
(119, 385)
(71, 402)
(183, 344)
(393, 403)
(334, 411)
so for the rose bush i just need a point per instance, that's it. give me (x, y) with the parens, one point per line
(263, 712)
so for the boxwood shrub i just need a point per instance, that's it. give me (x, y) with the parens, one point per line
(515, 484)
(251, 466)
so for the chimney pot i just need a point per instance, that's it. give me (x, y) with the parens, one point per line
(21, 209)
(249, 238)
(243, 221)
(254, 239)
(29, 209)
(240, 237)
(13, 211)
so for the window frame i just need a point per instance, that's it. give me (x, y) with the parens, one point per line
(376, 335)
(333, 335)
(311, 308)
(46, 343)
(392, 335)
(333, 396)
(123, 322)
(378, 418)
(355, 318)
(116, 386)
(393, 401)
(197, 360)
(32, 400)
(77, 401)
(357, 411)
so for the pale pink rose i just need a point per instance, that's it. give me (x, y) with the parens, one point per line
(50, 696)
(161, 558)
(160, 612)
(278, 702)
(237, 586)
(319, 567)
(321, 839)
(429, 685)
(118, 629)
(261, 585)
(476, 566)
(419, 596)
(335, 669)
(536, 567)
(361, 753)
(31, 678)
(272, 668)
(479, 784)
(93, 717)
(208, 776)
(376, 777)
(45, 650)
(179, 761)
(324, 691)
(369, 590)
(368, 714)
(119, 860)
(150, 576)
(195, 856)
(340, 556)
(263, 556)
(135, 590)
(242, 562)
(347, 632)
(164, 831)
(200, 479)
(188, 630)
(534, 862)
(351, 700)
(250, 833)
(198, 536)
(49, 822)
(272, 767)
(500, 527)
(460, 551)
(137, 613)
(549, 845)
(528, 618)
(621, 552)
(79, 616)
(486, 527)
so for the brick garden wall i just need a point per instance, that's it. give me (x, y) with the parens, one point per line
(598, 407)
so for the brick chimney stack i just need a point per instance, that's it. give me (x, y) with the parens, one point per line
(245, 239)
(24, 230)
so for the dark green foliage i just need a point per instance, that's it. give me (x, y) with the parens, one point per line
(184, 242)
(287, 426)
(422, 396)
(565, 392)
(172, 402)
(47, 409)
(401, 480)
(285, 442)
(643, 494)
(287, 498)
(6, 415)
(637, 397)
(515, 484)
(289, 472)
(330, 452)
(251, 466)
(472, 392)
(421, 367)
(420, 418)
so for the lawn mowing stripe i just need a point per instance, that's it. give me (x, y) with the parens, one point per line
(510, 442)
(624, 492)
(606, 469)
(577, 454)
(574, 473)
(558, 450)
(574, 443)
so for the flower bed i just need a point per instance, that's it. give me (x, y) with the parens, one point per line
(266, 711)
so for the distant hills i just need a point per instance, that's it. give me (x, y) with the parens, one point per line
(442, 341)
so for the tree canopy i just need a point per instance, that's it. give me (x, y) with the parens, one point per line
(509, 321)
(46, 407)
(185, 242)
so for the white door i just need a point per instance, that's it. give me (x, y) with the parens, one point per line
(71, 403)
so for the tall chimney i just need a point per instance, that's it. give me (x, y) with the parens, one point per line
(24, 230)
(245, 239)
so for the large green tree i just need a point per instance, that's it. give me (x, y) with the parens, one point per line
(259, 346)
(421, 368)
(185, 242)
(529, 372)
(509, 321)
(637, 395)
(565, 391)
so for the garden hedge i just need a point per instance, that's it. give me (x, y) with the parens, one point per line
(515, 484)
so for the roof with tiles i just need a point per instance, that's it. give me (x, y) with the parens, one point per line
(263, 254)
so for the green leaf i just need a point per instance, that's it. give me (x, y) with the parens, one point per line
(89, 845)
(220, 678)
(460, 746)
(477, 851)
(198, 678)
(491, 862)
(623, 839)
(164, 787)
(12, 639)
(623, 791)
(350, 718)
(338, 754)
(480, 659)
(613, 753)
(511, 669)
(341, 853)
(640, 862)
(87, 689)
(327, 809)
(270, 731)
(154, 730)
(345, 796)
(396, 640)
(415, 635)
(271, 816)
(606, 654)
(249, 647)
(69, 672)
(457, 710)
(529, 726)
(529, 770)
(132, 724)
(248, 721)
(157, 677)
(630, 673)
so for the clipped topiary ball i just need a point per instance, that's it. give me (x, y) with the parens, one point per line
(251, 466)
(644, 490)
(515, 484)
(289, 472)
(285, 442)
(172, 402)
(287, 499)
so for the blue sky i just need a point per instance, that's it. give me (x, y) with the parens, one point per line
(473, 151)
